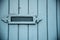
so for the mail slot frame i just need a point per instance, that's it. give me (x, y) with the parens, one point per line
(31, 22)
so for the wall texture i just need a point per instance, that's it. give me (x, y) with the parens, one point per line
(46, 10)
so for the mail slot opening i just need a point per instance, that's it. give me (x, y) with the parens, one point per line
(21, 19)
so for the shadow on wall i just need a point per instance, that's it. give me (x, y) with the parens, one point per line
(58, 1)
(1, 3)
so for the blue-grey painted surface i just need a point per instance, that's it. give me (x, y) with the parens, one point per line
(58, 17)
(4, 26)
(52, 20)
(46, 10)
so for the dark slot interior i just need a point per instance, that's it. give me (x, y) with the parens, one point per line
(21, 19)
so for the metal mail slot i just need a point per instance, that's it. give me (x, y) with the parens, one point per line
(21, 19)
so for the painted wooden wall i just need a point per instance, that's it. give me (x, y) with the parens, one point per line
(46, 10)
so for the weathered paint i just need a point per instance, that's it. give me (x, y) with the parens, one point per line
(46, 10)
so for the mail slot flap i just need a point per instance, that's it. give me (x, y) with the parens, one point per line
(21, 19)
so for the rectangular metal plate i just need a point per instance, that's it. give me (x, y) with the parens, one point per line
(21, 19)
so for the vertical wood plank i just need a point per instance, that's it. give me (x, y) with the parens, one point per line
(3, 26)
(33, 7)
(33, 11)
(52, 33)
(14, 6)
(42, 27)
(13, 33)
(32, 32)
(13, 29)
(23, 7)
(23, 30)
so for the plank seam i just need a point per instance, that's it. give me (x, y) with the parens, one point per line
(18, 13)
(47, 17)
(37, 24)
(28, 24)
(57, 18)
(8, 15)
(18, 31)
